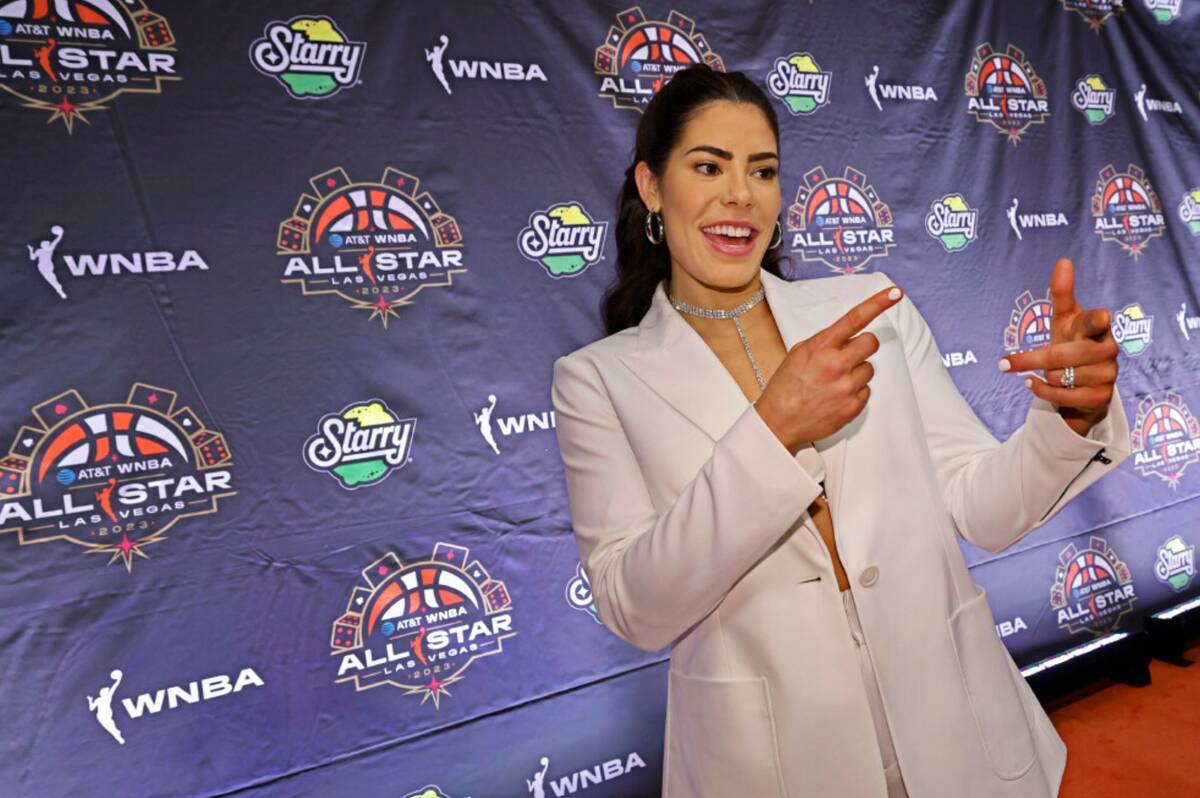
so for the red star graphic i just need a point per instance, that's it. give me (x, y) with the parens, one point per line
(152, 398)
(329, 181)
(60, 408)
(382, 304)
(449, 555)
(383, 569)
(434, 685)
(66, 107)
(400, 182)
(125, 546)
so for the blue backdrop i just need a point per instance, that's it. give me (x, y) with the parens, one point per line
(281, 510)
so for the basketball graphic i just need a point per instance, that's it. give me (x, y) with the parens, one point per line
(1028, 323)
(640, 55)
(1164, 438)
(1092, 588)
(1126, 209)
(1003, 90)
(112, 478)
(374, 244)
(839, 221)
(419, 626)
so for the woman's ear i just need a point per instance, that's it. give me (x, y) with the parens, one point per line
(647, 185)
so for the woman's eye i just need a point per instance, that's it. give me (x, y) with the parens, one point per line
(707, 168)
(768, 172)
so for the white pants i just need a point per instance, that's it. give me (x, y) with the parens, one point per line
(887, 751)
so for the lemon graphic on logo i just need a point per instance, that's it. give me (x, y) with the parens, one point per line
(351, 474)
(803, 104)
(955, 240)
(303, 84)
(1095, 115)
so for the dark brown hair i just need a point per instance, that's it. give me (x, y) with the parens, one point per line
(640, 264)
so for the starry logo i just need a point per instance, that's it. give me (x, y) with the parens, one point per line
(952, 222)
(1175, 563)
(112, 479)
(1094, 99)
(360, 445)
(1133, 329)
(1189, 211)
(310, 57)
(375, 245)
(1165, 11)
(419, 627)
(799, 83)
(564, 239)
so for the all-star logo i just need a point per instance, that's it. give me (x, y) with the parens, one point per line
(1095, 12)
(1175, 563)
(419, 626)
(1003, 90)
(464, 69)
(71, 58)
(1189, 210)
(164, 698)
(579, 594)
(375, 245)
(1126, 209)
(1092, 588)
(1165, 438)
(564, 239)
(1028, 324)
(1019, 222)
(310, 56)
(839, 221)
(952, 222)
(800, 83)
(99, 264)
(640, 55)
(111, 478)
(361, 444)
(1094, 99)
(1133, 329)
(1165, 11)
(896, 91)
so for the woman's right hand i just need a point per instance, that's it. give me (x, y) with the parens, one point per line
(821, 385)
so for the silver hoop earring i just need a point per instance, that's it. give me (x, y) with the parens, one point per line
(776, 239)
(654, 220)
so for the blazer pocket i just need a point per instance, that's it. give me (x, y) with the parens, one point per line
(994, 697)
(722, 739)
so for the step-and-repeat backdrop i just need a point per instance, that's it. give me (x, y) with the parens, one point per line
(281, 509)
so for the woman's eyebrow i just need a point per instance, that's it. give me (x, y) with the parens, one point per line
(728, 156)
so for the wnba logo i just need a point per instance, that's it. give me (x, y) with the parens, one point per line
(375, 245)
(1165, 438)
(1126, 209)
(1003, 90)
(1028, 324)
(1092, 588)
(639, 56)
(839, 221)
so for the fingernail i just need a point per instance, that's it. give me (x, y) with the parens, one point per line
(1004, 365)
(1028, 382)
(894, 294)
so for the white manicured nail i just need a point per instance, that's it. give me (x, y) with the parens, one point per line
(1028, 382)
(894, 294)
(1004, 365)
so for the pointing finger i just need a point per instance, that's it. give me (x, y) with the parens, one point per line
(862, 314)
(1062, 286)
(1059, 356)
(1094, 323)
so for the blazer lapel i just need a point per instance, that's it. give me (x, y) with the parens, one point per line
(673, 360)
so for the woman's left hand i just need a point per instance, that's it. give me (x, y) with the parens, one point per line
(1080, 338)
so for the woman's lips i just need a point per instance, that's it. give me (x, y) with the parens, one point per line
(733, 247)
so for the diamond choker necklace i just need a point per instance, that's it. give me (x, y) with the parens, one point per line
(733, 313)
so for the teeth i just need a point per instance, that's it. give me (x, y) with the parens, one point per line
(728, 230)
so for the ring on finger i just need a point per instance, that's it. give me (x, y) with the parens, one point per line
(1068, 377)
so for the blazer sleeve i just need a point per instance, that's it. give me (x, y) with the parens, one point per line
(999, 492)
(655, 575)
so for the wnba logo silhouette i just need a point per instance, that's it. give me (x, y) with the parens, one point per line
(101, 705)
(43, 256)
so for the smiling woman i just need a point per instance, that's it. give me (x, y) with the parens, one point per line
(700, 440)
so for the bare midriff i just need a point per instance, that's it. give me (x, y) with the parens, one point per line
(770, 351)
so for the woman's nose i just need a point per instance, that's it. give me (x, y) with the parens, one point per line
(736, 190)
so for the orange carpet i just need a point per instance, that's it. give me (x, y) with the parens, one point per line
(1129, 742)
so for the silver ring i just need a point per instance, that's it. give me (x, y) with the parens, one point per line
(1068, 377)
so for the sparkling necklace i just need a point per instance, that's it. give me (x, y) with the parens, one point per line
(732, 313)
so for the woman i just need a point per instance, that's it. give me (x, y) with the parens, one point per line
(820, 648)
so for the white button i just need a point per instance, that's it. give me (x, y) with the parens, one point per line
(869, 576)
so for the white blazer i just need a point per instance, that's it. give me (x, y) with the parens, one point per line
(691, 520)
